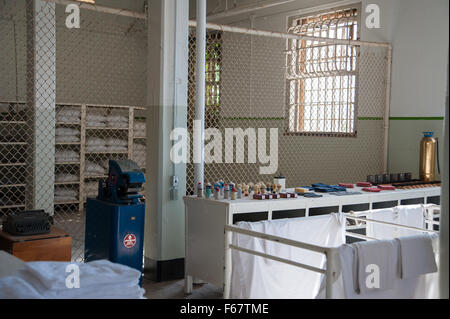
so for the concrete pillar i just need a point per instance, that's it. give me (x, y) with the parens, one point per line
(41, 95)
(167, 108)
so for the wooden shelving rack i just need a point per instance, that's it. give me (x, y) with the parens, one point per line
(97, 157)
(19, 130)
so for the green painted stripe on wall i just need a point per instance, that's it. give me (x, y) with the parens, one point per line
(367, 118)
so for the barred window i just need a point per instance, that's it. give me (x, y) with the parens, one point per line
(213, 72)
(322, 77)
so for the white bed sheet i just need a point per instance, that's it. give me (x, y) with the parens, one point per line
(261, 278)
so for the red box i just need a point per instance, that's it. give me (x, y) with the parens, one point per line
(372, 189)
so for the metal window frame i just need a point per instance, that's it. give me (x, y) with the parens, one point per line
(298, 123)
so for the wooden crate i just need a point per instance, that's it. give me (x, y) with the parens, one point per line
(54, 246)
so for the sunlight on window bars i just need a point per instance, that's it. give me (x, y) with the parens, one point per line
(323, 77)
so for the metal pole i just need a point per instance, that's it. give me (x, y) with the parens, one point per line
(199, 123)
(443, 227)
(281, 35)
(103, 9)
(329, 276)
(246, 9)
(387, 111)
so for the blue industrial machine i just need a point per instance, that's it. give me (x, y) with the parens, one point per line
(115, 219)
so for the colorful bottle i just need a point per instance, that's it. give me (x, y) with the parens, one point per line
(221, 185)
(239, 192)
(216, 191)
(200, 190)
(208, 190)
(233, 193)
(226, 191)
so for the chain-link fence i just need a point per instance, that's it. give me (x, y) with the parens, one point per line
(325, 103)
(70, 100)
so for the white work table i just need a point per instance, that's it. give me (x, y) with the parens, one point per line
(206, 218)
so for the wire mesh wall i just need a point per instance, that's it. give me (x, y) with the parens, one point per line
(267, 95)
(70, 100)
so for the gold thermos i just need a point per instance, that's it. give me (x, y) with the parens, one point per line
(428, 148)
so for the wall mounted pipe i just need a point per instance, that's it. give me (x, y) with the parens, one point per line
(102, 9)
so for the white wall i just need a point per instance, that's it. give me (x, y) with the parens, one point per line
(418, 32)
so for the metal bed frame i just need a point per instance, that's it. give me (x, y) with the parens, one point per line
(329, 270)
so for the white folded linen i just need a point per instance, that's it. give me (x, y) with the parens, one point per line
(117, 124)
(117, 118)
(95, 117)
(52, 275)
(63, 177)
(376, 257)
(139, 125)
(116, 141)
(67, 119)
(116, 148)
(67, 139)
(95, 141)
(66, 131)
(60, 198)
(95, 124)
(66, 156)
(91, 188)
(14, 287)
(139, 158)
(94, 168)
(98, 280)
(118, 121)
(69, 115)
(96, 149)
(61, 191)
(420, 287)
(416, 255)
(69, 111)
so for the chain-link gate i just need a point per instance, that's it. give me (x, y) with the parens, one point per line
(325, 103)
(70, 99)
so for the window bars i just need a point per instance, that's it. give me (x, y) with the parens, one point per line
(322, 77)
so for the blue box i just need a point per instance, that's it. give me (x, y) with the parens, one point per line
(115, 232)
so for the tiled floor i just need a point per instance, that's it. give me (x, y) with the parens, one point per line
(175, 290)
